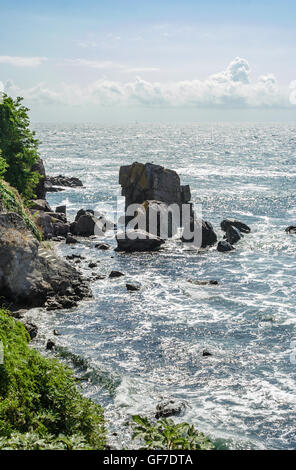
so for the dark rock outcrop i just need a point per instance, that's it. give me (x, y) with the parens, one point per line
(133, 287)
(39, 205)
(30, 275)
(226, 223)
(61, 210)
(233, 235)
(141, 182)
(137, 240)
(198, 282)
(224, 246)
(205, 229)
(67, 181)
(115, 274)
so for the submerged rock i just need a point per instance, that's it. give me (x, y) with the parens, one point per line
(226, 223)
(137, 240)
(291, 230)
(197, 282)
(102, 246)
(71, 240)
(224, 246)
(206, 353)
(133, 287)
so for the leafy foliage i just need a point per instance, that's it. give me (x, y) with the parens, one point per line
(166, 435)
(12, 201)
(40, 406)
(3, 166)
(18, 145)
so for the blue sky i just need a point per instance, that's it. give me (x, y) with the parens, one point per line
(115, 60)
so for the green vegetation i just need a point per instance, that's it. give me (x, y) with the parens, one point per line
(18, 146)
(166, 435)
(12, 201)
(40, 406)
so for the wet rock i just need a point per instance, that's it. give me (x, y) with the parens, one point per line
(99, 277)
(133, 287)
(56, 333)
(50, 345)
(102, 246)
(137, 240)
(71, 240)
(233, 235)
(68, 181)
(39, 205)
(169, 407)
(32, 329)
(198, 282)
(209, 237)
(61, 210)
(234, 223)
(115, 274)
(224, 246)
(291, 230)
(52, 189)
(44, 222)
(83, 212)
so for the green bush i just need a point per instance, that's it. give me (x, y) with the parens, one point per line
(19, 147)
(166, 435)
(40, 406)
(12, 201)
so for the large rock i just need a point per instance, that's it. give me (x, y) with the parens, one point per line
(88, 223)
(40, 189)
(45, 223)
(156, 218)
(39, 205)
(30, 275)
(224, 246)
(233, 235)
(207, 236)
(291, 229)
(242, 227)
(152, 182)
(137, 240)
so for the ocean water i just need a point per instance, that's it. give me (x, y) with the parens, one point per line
(132, 349)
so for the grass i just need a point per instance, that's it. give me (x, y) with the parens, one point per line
(12, 201)
(40, 405)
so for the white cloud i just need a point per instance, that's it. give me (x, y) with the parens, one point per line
(94, 64)
(22, 61)
(231, 88)
(140, 69)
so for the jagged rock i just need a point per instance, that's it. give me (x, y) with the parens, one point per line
(68, 181)
(49, 188)
(197, 282)
(137, 240)
(40, 189)
(224, 246)
(56, 217)
(234, 223)
(233, 235)
(92, 265)
(85, 225)
(115, 274)
(39, 205)
(169, 407)
(61, 210)
(291, 229)
(30, 274)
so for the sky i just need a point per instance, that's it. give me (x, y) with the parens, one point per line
(165, 60)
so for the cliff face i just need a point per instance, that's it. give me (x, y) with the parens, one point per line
(31, 275)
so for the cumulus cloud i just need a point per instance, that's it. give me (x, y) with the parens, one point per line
(231, 88)
(22, 61)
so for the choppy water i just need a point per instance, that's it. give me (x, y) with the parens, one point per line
(145, 345)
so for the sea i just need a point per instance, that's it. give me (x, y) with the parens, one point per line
(132, 350)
